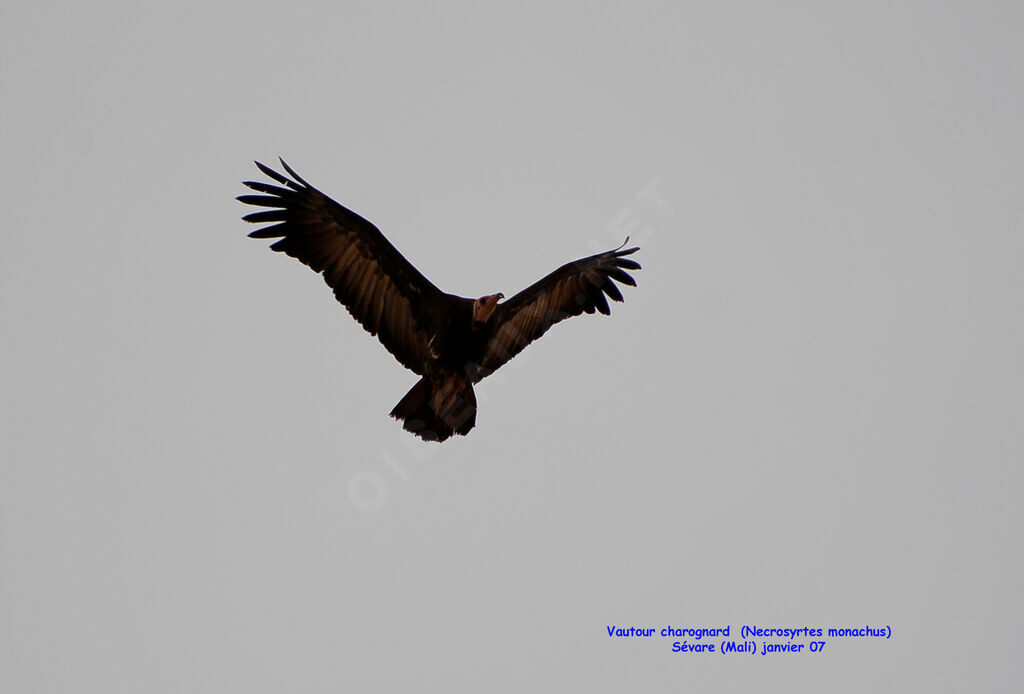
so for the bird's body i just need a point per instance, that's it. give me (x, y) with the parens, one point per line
(452, 342)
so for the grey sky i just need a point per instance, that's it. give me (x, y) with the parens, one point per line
(807, 414)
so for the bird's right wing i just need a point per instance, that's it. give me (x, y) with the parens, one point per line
(577, 287)
(380, 288)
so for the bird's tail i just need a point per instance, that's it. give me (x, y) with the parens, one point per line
(437, 408)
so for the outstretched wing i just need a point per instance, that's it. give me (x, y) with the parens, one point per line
(577, 287)
(380, 288)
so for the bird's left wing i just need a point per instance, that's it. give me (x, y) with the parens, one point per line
(577, 287)
(381, 289)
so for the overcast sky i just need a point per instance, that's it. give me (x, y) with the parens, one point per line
(808, 413)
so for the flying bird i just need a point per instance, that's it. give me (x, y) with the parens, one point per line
(450, 341)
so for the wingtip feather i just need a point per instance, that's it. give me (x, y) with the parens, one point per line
(273, 174)
(291, 172)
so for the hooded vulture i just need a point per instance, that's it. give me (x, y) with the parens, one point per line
(450, 341)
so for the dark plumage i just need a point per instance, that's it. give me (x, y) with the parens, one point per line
(451, 341)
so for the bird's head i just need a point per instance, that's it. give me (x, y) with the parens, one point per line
(484, 307)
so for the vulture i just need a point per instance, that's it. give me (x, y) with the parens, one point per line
(451, 342)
